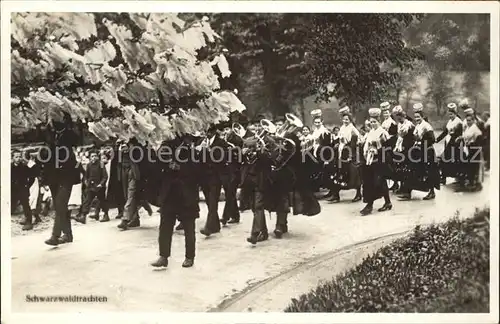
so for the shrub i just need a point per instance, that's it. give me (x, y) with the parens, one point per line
(442, 268)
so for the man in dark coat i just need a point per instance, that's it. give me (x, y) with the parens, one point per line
(255, 179)
(115, 196)
(142, 157)
(129, 176)
(104, 193)
(178, 185)
(230, 178)
(245, 198)
(61, 174)
(213, 151)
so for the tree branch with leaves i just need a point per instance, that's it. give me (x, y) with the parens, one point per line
(127, 75)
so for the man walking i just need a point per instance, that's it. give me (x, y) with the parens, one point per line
(178, 198)
(129, 176)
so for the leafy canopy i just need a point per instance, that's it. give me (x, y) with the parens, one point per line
(352, 56)
(127, 75)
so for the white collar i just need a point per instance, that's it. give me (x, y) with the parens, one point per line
(452, 123)
(388, 122)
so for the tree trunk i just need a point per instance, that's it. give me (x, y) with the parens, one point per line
(438, 107)
(302, 108)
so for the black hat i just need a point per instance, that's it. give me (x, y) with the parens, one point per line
(225, 124)
(243, 120)
(259, 117)
(279, 119)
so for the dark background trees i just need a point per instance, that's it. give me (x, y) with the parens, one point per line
(281, 59)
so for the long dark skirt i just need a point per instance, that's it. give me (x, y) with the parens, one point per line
(424, 169)
(449, 161)
(401, 166)
(374, 182)
(305, 203)
(472, 166)
(486, 148)
(347, 176)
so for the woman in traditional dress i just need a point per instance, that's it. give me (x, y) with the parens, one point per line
(424, 170)
(404, 142)
(450, 157)
(347, 175)
(374, 182)
(472, 147)
(391, 128)
(309, 164)
(321, 150)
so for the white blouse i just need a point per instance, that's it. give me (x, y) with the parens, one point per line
(386, 124)
(471, 133)
(421, 129)
(403, 129)
(374, 140)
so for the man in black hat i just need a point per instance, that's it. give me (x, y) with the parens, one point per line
(129, 176)
(230, 176)
(212, 153)
(61, 174)
(255, 180)
(177, 184)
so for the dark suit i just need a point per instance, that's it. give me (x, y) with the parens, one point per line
(212, 159)
(177, 197)
(255, 178)
(61, 173)
(230, 178)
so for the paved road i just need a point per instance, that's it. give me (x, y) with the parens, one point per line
(104, 261)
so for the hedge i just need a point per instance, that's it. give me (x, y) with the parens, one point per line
(441, 268)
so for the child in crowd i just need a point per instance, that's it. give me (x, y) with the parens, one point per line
(22, 177)
(95, 180)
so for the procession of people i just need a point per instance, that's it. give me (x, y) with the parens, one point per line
(275, 166)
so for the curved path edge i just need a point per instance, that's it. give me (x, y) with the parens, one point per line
(267, 286)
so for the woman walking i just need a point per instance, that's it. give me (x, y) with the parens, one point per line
(347, 175)
(472, 160)
(404, 142)
(374, 183)
(424, 171)
(449, 161)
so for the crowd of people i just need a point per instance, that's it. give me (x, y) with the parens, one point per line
(275, 166)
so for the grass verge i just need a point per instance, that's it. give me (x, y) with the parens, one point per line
(440, 268)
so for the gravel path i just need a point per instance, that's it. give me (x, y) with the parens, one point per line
(104, 261)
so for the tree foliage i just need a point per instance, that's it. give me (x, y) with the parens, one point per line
(452, 42)
(275, 41)
(351, 55)
(131, 74)
(459, 42)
